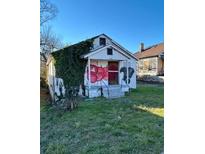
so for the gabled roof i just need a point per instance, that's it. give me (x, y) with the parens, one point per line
(151, 51)
(115, 43)
(100, 35)
(92, 38)
(104, 47)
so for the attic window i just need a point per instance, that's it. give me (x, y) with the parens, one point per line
(109, 51)
(102, 41)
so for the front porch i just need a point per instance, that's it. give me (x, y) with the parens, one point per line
(106, 78)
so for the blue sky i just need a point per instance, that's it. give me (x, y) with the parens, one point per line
(128, 22)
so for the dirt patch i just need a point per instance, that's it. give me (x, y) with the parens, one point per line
(44, 95)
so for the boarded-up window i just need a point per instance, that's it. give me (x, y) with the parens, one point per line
(146, 65)
(140, 65)
(113, 73)
(152, 64)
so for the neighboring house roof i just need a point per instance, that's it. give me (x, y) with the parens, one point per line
(115, 43)
(152, 51)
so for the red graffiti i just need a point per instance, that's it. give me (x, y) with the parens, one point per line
(97, 73)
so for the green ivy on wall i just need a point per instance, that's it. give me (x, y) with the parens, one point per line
(69, 65)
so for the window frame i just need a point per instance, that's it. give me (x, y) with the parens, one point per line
(114, 71)
(102, 41)
(108, 51)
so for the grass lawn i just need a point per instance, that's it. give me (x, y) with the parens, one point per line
(132, 124)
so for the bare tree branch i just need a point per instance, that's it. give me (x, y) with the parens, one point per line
(49, 40)
(47, 11)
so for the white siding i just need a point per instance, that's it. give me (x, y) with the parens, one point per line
(133, 65)
(99, 63)
(103, 55)
(96, 42)
(55, 84)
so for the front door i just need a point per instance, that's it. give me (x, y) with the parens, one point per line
(113, 72)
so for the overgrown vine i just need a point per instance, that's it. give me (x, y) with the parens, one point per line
(70, 66)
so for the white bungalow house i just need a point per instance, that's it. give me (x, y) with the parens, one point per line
(112, 69)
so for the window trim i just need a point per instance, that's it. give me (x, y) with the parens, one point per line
(104, 41)
(109, 53)
(114, 71)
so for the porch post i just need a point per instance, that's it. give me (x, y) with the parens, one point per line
(127, 71)
(89, 75)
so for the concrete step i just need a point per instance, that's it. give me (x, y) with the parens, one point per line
(114, 92)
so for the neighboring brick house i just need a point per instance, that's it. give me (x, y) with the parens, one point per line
(150, 60)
